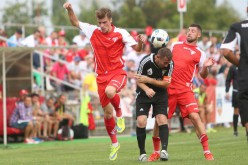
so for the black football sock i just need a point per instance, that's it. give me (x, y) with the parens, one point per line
(141, 138)
(181, 123)
(235, 122)
(164, 136)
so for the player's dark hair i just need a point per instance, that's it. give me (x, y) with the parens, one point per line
(165, 52)
(19, 31)
(197, 26)
(35, 95)
(102, 12)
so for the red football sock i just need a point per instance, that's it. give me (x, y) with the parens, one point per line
(115, 101)
(204, 141)
(110, 127)
(156, 144)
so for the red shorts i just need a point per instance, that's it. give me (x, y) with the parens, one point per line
(116, 79)
(185, 101)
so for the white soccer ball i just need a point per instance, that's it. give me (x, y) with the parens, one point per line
(159, 38)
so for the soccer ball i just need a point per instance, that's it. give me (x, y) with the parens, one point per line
(159, 38)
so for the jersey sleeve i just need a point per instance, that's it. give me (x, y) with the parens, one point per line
(128, 40)
(202, 59)
(230, 40)
(143, 66)
(171, 69)
(88, 29)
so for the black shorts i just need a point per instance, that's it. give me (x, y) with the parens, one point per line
(243, 106)
(235, 99)
(158, 103)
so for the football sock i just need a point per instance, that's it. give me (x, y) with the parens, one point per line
(235, 122)
(141, 138)
(115, 101)
(204, 141)
(164, 136)
(156, 144)
(110, 127)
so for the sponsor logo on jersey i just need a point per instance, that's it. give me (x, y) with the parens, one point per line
(149, 71)
(244, 25)
(115, 39)
(141, 110)
(192, 52)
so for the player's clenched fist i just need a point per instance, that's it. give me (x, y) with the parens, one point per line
(150, 93)
(67, 5)
(167, 79)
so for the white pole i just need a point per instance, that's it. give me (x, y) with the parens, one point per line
(4, 101)
(181, 20)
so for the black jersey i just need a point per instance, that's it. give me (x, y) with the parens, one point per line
(238, 33)
(232, 77)
(149, 68)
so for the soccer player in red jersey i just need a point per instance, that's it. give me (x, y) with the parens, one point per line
(108, 42)
(188, 58)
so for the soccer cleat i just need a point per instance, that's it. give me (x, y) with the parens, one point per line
(209, 156)
(154, 157)
(211, 130)
(113, 152)
(164, 155)
(120, 125)
(235, 133)
(143, 158)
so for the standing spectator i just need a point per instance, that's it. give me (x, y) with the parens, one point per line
(15, 39)
(22, 118)
(61, 72)
(3, 42)
(76, 69)
(204, 44)
(108, 43)
(52, 40)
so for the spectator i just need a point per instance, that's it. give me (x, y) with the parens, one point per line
(42, 31)
(76, 69)
(52, 40)
(22, 95)
(61, 72)
(23, 119)
(33, 40)
(4, 35)
(15, 39)
(49, 110)
(81, 40)
(204, 44)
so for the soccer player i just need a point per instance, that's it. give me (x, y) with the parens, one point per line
(108, 42)
(239, 32)
(152, 80)
(188, 60)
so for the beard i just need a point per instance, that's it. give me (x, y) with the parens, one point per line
(190, 40)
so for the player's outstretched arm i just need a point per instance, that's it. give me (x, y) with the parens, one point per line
(228, 54)
(71, 14)
(141, 41)
(204, 70)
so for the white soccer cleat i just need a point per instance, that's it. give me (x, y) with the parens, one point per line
(143, 158)
(164, 155)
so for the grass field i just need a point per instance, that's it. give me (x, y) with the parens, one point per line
(183, 149)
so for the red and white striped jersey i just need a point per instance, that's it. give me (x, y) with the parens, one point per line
(108, 48)
(187, 60)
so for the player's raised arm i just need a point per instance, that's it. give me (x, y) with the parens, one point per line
(71, 14)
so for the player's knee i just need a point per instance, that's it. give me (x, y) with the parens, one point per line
(141, 121)
(110, 91)
(108, 113)
(161, 119)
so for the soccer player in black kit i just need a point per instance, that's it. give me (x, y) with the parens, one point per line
(153, 77)
(232, 78)
(238, 32)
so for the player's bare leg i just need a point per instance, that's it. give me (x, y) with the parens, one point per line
(115, 101)
(201, 133)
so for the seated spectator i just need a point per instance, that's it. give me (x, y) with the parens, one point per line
(61, 114)
(3, 42)
(22, 95)
(41, 119)
(52, 40)
(76, 68)
(81, 40)
(33, 40)
(15, 39)
(71, 53)
(49, 110)
(23, 119)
